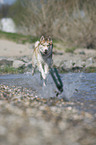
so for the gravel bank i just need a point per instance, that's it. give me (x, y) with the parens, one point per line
(29, 120)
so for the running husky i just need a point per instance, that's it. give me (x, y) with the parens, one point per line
(42, 57)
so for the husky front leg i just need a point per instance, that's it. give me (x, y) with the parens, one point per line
(43, 75)
(46, 69)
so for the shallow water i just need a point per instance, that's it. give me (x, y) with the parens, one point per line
(78, 87)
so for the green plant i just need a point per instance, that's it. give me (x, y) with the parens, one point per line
(90, 70)
(10, 70)
(70, 50)
(18, 38)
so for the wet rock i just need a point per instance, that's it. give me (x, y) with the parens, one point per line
(18, 64)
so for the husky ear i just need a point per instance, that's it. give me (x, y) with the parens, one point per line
(50, 39)
(42, 38)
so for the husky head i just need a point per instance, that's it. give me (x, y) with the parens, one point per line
(46, 45)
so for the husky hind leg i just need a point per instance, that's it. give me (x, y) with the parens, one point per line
(33, 71)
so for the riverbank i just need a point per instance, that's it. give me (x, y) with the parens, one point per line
(16, 58)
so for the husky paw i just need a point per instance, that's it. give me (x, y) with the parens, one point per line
(44, 83)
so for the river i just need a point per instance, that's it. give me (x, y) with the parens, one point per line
(78, 88)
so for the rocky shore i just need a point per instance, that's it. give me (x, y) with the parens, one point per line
(19, 56)
(29, 120)
(65, 62)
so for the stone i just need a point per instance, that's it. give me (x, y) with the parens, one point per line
(89, 62)
(5, 61)
(7, 25)
(18, 64)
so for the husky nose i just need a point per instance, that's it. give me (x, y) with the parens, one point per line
(45, 51)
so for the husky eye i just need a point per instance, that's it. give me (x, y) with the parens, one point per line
(48, 45)
(42, 44)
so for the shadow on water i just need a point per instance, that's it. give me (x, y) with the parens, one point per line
(77, 87)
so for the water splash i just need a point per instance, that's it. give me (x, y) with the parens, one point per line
(71, 84)
(45, 91)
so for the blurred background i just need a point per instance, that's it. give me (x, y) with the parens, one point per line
(73, 22)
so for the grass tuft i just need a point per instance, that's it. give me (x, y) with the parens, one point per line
(18, 38)
(10, 70)
(70, 50)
